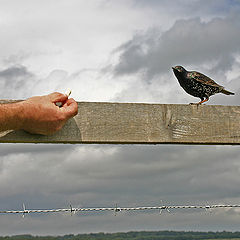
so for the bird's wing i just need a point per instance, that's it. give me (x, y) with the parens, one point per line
(202, 79)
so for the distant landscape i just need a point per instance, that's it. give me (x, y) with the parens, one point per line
(153, 235)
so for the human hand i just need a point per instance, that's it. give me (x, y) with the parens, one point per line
(40, 114)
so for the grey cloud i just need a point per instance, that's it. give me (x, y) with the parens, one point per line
(210, 47)
(191, 8)
(91, 176)
(156, 172)
(16, 81)
(187, 42)
(13, 72)
(104, 170)
(14, 76)
(8, 149)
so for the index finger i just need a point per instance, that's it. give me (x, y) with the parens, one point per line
(70, 108)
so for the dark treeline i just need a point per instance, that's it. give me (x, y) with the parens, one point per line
(160, 235)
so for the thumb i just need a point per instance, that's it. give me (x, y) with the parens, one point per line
(57, 97)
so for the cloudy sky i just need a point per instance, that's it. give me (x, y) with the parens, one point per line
(109, 50)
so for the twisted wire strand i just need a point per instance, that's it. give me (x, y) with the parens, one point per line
(116, 209)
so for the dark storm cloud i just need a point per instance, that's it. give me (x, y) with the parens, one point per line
(187, 42)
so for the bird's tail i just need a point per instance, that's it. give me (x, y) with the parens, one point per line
(227, 92)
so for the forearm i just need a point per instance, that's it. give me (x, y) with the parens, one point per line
(10, 116)
(38, 115)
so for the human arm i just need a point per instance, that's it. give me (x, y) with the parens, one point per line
(38, 114)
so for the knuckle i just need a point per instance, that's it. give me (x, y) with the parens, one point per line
(56, 94)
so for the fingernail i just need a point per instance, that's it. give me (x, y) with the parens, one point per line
(59, 104)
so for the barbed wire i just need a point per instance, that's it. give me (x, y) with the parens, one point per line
(116, 209)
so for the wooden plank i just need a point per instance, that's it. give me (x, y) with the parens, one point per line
(139, 123)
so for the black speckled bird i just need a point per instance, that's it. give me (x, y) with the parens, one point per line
(197, 84)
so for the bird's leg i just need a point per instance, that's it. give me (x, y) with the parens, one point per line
(205, 100)
(202, 101)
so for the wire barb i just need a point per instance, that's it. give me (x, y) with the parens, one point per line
(116, 210)
(72, 210)
(24, 211)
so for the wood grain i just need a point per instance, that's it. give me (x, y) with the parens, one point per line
(139, 123)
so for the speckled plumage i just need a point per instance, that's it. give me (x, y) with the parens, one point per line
(197, 84)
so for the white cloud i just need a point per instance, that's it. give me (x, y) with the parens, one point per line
(68, 35)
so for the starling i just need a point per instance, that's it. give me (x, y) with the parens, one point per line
(197, 84)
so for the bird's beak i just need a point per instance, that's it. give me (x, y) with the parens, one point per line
(173, 68)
